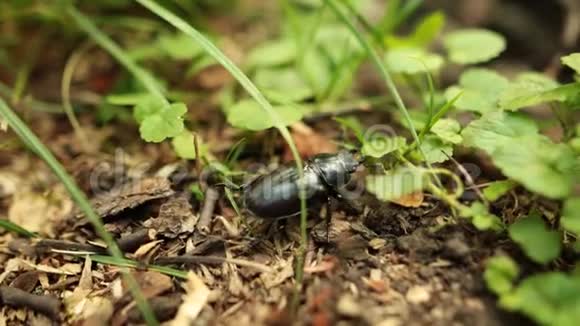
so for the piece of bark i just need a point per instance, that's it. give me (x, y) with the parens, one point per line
(129, 196)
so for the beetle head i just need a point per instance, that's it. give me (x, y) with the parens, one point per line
(350, 160)
(336, 169)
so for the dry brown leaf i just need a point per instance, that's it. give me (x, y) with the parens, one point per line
(151, 283)
(283, 270)
(66, 269)
(31, 211)
(25, 281)
(194, 300)
(146, 248)
(379, 286)
(12, 265)
(43, 279)
(309, 142)
(76, 301)
(9, 183)
(3, 318)
(326, 265)
(86, 281)
(411, 200)
(97, 312)
(175, 217)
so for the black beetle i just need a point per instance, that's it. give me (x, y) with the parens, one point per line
(276, 195)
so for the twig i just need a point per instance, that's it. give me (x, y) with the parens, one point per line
(213, 260)
(467, 177)
(133, 241)
(48, 305)
(48, 245)
(128, 243)
(211, 198)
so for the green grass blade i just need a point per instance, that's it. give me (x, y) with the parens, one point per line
(119, 54)
(440, 114)
(128, 263)
(247, 84)
(22, 130)
(378, 62)
(15, 228)
(385, 75)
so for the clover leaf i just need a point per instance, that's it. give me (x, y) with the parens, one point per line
(539, 243)
(470, 46)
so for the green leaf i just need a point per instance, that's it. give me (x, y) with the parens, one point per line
(481, 90)
(539, 243)
(412, 61)
(335, 40)
(12, 227)
(575, 144)
(195, 189)
(380, 146)
(551, 298)
(247, 114)
(316, 71)
(428, 29)
(563, 94)
(481, 218)
(184, 145)
(572, 61)
(342, 77)
(571, 215)
(419, 119)
(165, 122)
(133, 99)
(146, 106)
(500, 274)
(532, 89)
(179, 46)
(283, 80)
(272, 53)
(538, 164)
(492, 128)
(471, 46)
(435, 150)
(395, 183)
(424, 33)
(448, 130)
(497, 189)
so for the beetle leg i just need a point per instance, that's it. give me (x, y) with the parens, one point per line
(328, 217)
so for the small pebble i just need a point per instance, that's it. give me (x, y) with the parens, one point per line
(390, 322)
(347, 306)
(418, 294)
(377, 243)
